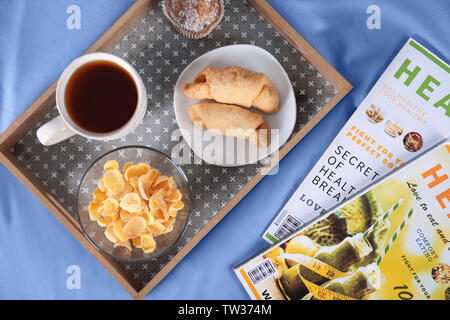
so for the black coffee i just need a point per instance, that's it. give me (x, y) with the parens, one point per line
(101, 96)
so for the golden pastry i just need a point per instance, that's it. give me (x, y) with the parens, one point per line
(235, 85)
(231, 120)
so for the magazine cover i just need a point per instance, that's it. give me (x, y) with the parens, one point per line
(390, 241)
(406, 112)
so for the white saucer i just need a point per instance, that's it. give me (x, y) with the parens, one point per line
(255, 59)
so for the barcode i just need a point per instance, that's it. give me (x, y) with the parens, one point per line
(262, 271)
(290, 224)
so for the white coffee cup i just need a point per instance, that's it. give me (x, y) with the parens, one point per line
(63, 127)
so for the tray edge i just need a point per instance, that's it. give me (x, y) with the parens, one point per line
(44, 103)
(34, 186)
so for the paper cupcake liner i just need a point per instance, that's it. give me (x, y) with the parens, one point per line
(193, 34)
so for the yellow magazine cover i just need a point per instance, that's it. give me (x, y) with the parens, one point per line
(391, 241)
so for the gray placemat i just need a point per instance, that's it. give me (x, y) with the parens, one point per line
(160, 54)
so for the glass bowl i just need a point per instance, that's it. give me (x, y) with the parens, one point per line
(96, 233)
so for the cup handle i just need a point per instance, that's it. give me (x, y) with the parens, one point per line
(54, 132)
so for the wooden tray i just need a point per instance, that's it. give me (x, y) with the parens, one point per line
(107, 42)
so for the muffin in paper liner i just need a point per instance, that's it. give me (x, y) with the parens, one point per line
(194, 19)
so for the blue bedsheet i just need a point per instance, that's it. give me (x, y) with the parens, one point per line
(35, 46)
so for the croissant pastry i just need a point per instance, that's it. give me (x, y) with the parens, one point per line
(235, 85)
(231, 120)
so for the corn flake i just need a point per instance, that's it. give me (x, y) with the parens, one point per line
(113, 181)
(155, 229)
(172, 195)
(110, 235)
(94, 214)
(118, 230)
(99, 194)
(175, 207)
(136, 170)
(126, 166)
(110, 207)
(104, 221)
(134, 228)
(168, 224)
(162, 182)
(136, 242)
(131, 202)
(100, 184)
(125, 216)
(147, 243)
(125, 243)
(110, 165)
(145, 183)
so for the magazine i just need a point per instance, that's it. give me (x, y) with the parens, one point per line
(406, 112)
(390, 241)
